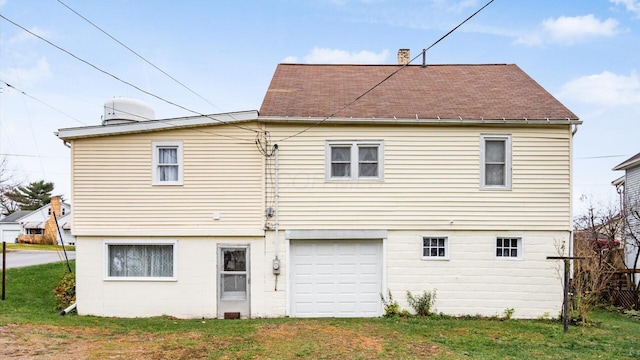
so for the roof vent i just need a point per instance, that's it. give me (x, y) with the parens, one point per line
(404, 56)
(126, 110)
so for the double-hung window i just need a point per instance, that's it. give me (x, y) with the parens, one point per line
(509, 247)
(140, 260)
(354, 160)
(435, 247)
(495, 158)
(167, 163)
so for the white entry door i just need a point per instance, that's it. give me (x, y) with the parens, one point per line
(336, 278)
(233, 281)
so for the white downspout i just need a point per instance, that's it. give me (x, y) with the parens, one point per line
(276, 261)
(571, 233)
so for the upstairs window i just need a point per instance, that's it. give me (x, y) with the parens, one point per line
(354, 160)
(167, 163)
(495, 157)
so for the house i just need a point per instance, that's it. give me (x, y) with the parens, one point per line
(39, 226)
(453, 178)
(10, 228)
(628, 186)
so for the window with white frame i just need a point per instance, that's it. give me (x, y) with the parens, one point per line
(354, 160)
(495, 157)
(139, 260)
(167, 163)
(435, 247)
(509, 247)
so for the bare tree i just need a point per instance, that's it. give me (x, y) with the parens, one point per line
(7, 185)
(597, 245)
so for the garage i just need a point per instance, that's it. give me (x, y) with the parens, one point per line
(336, 278)
(9, 236)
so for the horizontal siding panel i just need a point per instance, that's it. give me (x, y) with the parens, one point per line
(112, 182)
(431, 176)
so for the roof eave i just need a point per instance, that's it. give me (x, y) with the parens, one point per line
(619, 181)
(156, 125)
(422, 121)
(627, 164)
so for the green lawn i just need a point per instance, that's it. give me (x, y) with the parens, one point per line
(29, 311)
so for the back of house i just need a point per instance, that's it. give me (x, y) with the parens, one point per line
(447, 178)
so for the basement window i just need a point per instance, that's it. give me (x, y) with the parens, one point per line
(140, 260)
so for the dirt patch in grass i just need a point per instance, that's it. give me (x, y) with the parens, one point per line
(287, 340)
(50, 342)
(311, 340)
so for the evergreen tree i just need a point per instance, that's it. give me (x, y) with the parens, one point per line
(33, 196)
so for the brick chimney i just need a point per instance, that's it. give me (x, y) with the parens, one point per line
(50, 229)
(404, 56)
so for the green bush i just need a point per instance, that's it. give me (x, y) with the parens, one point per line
(65, 292)
(391, 307)
(422, 304)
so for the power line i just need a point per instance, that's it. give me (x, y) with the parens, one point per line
(40, 101)
(123, 111)
(121, 80)
(386, 78)
(138, 55)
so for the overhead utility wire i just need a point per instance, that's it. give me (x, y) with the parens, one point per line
(40, 101)
(138, 55)
(121, 80)
(386, 78)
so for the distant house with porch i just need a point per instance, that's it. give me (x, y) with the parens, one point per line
(39, 226)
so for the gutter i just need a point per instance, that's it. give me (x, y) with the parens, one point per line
(420, 121)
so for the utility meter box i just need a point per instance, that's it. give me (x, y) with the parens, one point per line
(276, 266)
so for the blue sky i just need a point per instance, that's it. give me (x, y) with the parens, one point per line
(583, 52)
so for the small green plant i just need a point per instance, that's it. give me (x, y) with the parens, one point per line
(391, 307)
(65, 292)
(508, 313)
(422, 304)
(634, 314)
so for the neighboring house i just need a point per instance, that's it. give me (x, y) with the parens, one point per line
(39, 226)
(453, 178)
(10, 227)
(628, 186)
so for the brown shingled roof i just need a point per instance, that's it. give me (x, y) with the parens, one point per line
(435, 91)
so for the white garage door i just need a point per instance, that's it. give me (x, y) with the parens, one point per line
(336, 278)
(9, 236)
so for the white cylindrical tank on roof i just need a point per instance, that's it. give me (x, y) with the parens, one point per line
(124, 110)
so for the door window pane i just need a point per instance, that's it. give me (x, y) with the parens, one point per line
(235, 260)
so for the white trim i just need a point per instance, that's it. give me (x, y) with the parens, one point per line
(156, 125)
(105, 258)
(435, 258)
(354, 160)
(335, 234)
(422, 121)
(508, 161)
(155, 146)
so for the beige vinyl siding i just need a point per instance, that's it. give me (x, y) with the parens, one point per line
(431, 180)
(113, 192)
